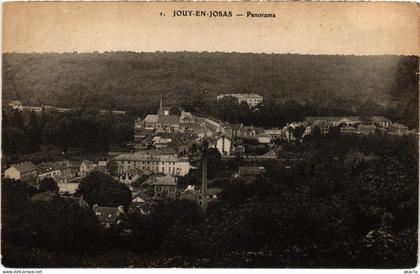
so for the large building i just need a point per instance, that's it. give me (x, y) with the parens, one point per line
(163, 161)
(350, 120)
(163, 121)
(251, 99)
(22, 171)
(16, 105)
(162, 187)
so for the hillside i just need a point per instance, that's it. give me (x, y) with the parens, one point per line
(132, 81)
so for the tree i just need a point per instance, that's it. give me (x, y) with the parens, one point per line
(14, 140)
(316, 131)
(48, 184)
(34, 133)
(298, 132)
(112, 167)
(334, 131)
(103, 190)
(214, 162)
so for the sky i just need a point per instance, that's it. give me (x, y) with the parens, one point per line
(299, 27)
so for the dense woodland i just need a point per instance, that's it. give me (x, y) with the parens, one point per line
(351, 202)
(132, 81)
(88, 131)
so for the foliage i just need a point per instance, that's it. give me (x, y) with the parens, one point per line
(48, 184)
(103, 190)
(112, 167)
(55, 224)
(292, 85)
(83, 128)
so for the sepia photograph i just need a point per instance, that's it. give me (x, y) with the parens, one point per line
(210, 135)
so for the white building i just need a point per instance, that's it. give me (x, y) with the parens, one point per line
(251, 99)
(51, 170)
(16, 105)
(22, 171)
(86, 167)
(264, 139)
(163, 161)
(224, 145)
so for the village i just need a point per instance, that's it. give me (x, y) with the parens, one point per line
(168, 147)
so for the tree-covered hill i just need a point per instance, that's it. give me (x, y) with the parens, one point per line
(132, 81)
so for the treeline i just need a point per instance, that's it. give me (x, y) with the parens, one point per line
(279, 113)
(350, 203)
(135, 81)
(88, 130)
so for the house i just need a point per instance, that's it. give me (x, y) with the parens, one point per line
(190, 193)
(23, 171)
(321, 127)
(179, 142)
(380, 121)
(130, 176)
(164, 161)
(247, 132)
(348, 130)
(274, 133)
(70, 170)
(333, 120)
(140, 197)
(238, 150)
(108, 216)
(103, 162)
(16, 105)
(162, 187)
(51, 170)
(251, 170)
(193, 193)
(142, 132)
(186, 118)
(86, 167)
(264, 139)
(142, 203)
(398, 129)
(248, 174)
(251, 99)
(366, 129)
(74, 167)
(224, 145)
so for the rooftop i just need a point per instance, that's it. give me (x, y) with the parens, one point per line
(142, 196)
(15, 102)
(169, 119)
(161, 180)
(25, 167)
(242, 95)
(106, 214)
(245, 170)
(164, 154)
(135, 171)
(51, 166)
(151, 118)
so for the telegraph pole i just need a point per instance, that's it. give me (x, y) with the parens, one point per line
(204, 177)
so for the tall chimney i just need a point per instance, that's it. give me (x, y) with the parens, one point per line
(204, 178)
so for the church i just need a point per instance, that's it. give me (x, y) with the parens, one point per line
(164, 121)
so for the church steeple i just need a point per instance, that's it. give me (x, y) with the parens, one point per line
(161, 112)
